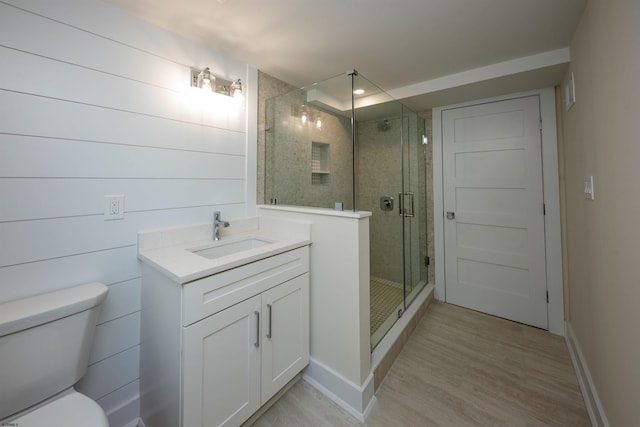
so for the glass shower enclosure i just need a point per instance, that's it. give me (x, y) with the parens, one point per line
(344, 142)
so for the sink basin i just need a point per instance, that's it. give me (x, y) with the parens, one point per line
(223, 249)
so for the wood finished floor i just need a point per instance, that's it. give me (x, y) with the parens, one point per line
(459, 368)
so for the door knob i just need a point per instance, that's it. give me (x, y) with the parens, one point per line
(451, 215)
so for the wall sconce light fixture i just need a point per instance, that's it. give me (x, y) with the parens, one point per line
(204, 79)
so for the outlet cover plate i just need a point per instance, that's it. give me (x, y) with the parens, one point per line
(113, 207)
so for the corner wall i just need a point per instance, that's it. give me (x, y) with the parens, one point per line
(601, 139)
(93, 102)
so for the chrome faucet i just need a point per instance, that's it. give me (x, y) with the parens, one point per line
(217, 222)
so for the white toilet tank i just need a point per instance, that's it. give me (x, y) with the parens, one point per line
(45, 342)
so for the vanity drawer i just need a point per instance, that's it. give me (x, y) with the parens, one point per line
(209, 295)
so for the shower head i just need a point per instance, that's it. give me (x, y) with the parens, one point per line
(384, 126)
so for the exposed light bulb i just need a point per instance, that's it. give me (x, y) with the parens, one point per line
(236, 89)
(206, 80)
(304, 118)
(319, 124)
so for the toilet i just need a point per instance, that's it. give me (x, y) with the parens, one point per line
(45, 343)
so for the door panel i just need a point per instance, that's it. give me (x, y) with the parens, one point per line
(222, 367)
(494, 242)
(285, 334)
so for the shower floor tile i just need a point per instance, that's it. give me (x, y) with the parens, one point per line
(385, 299)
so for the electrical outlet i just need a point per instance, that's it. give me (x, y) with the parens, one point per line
(113, 207)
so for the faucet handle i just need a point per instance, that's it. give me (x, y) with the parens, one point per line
(218, 221)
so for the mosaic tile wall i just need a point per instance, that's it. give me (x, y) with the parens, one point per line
(379, 174)
(288, 154)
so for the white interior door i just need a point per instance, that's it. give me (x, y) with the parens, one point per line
(494, 211)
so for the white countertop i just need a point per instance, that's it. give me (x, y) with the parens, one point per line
(317, 211)
(170, 250)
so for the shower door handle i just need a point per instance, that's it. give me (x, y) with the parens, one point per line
(405, 205)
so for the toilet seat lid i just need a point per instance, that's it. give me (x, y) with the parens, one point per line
(71, 410)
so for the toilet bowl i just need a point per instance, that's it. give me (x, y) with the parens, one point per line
(45, 342)
(71, 410)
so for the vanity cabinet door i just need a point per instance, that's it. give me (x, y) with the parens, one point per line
(221, 363)
(285, 333)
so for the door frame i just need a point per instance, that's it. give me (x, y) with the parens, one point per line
(551, 194)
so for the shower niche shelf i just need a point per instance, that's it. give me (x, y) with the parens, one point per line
(319, 163)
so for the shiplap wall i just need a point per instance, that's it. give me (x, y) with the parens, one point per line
(93, 102)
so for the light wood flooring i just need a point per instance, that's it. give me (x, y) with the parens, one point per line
(459, 368)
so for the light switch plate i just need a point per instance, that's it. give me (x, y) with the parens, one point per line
(588, 188)
(570, 93)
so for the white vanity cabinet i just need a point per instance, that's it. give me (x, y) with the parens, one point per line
(236, 360)
(241, 335)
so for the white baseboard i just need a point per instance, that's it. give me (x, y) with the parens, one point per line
(589, 393)
(357, 400)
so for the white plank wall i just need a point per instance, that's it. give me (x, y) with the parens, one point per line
(93, 102)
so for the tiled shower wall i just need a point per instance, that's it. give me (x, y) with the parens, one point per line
(380, 174)
(93, 102)
(288, 155)
(379, 166)
(268, 87)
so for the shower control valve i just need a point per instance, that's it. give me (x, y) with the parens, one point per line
(386, 203)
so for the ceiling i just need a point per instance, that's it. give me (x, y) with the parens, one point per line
(424, 52)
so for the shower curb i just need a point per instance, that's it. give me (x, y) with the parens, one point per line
(382, 366)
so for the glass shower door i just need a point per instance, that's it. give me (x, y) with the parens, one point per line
(378, 131)
(412, 201)
(390, 175)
